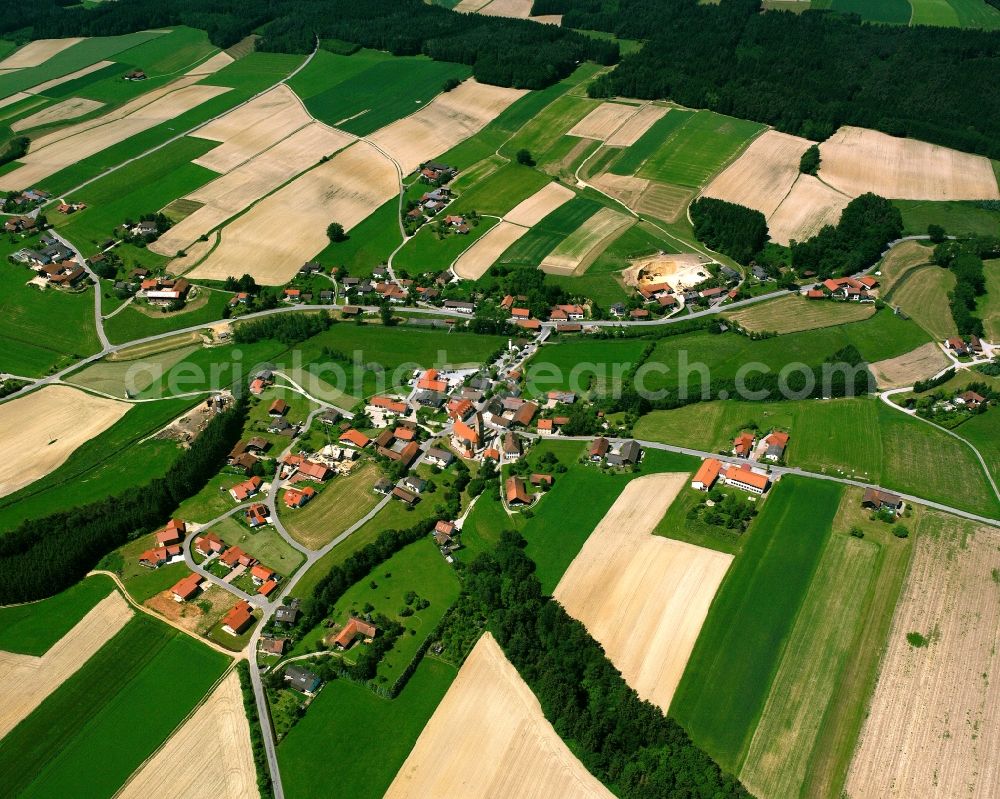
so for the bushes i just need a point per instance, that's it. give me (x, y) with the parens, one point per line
(16, 148)
(809, 162)
(44, 556)
(734, 230)
(256, 733)
(965, 259)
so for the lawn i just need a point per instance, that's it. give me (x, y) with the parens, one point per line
(351, 721)
(582, 365)
(483, 526)
(339, 505)
(363, 92)
(922, 293)
(728, 677)
(544, 237)
(264, 543)
(115, 710)
(793, 314)
(115, 460)
(698, 149)
(427, 252)
(31, 629)
(956, 217)
(418, 567)
(135, 322)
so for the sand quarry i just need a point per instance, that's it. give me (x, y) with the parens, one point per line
(489, 738)
(209, 757)
(680, 270)
(44, 428)
(933, 728)
(25, 681)
(644, 597)
(274, 238)
(904, 370)
(580, 249)
(36, 53)
(473, 263)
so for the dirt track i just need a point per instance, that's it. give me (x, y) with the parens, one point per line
(644, 597)
(488, 738)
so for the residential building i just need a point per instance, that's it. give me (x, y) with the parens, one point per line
(706, 475)
(745, 478)
(238, 619)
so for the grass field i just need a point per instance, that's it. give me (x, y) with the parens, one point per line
(955, 217)
(500, 191)
(367, 90)
(339, 505)
(923, 294)
(698, 149)
(548, 126)
(133, 323)
(32, 628)
(368, 243)
(676, 524)
(725, 686)
(348, 719)
(860, 438)
(635, 156)
(117, 377)
(264, 543)
(974, 14)
(159, 675)
(582, 366)
(111, 462)
(425, 252)
(988, 306)
(531, 248)
(793, 314)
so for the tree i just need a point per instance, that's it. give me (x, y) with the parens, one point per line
(524, 157)
(809, 163)
(335, 232)
(936, 233)
(451, 83)
(901, 531)
(385, 312)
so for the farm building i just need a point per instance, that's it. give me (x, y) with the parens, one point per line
(354, 629)
(876, 499)
(706, 475)
(599, 449)
(745, 478)
(517, 493)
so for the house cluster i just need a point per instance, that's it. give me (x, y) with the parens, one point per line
(246, 454)
(436, 173)
(209, 545)
(446, 535)
(962, 348)
(765, 448)
(25, 225)
(272, 643)
(430, 205)
(27, 199)
(167, 548)
(164, 290)
(399, 444)
(744, 476)
(54, 263)
(845, 288)
(300, 679)
(624, 453)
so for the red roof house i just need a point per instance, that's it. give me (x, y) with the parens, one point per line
(238, 618)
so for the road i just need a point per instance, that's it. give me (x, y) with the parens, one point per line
(98, 316)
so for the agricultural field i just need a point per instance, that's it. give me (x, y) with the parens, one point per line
(532, 247)
(793, 314)
(339, 505)
(922, 293)
(159, 673)
(349, 719)
(900, 260)
(894, 11)
(726, 683)
(643, 597)
(430, 251)
(904, 370)
(989, 305)
(956, 217)
(119, 378)
(932, 722)
(578, 250)
(496, 712)
(582, 366)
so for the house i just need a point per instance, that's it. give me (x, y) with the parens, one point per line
(877, 500)
(461, 307)
(135, 74)
(630, 452)
(520, 313)
(329, 417)
(234, 556)
(173, 533)
(975, 344)
(267, 587)
(959, 346)
(430, 382)
(256, 515)
(599, 449)
(970, 399)
(529, 324)
(350, 310)
(562, 397)
(186, 588)
(354, 629)
(278, 408)
(281, 426)
(815, 294)
(438, 457)
(273, 646)
(743, 444)
(444, 532)
(287, 614)
(388, 404)
(459, 408)
(545, 427)
(209, 544)
(538, 479)
(492, 453)
(667, 301)
(302, 680)
(516, 492)
(572, 327)
(296, 498)
(525, 414)
(511, 446)
(776, 443)
(311, 470)
(355, 438)
(261, 574)
(708, 294)
(242, 491)
(639, 314)
(257, 444)
(706, 475)
(383, 486)
(238, 619)
(745, 478)
(404, 496)
(257, 386)
(159, 556)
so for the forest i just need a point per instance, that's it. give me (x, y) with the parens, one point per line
(807, 73)
(44, 556)
(964, 258)
(504, 52)
(735, 230)
(627, 743)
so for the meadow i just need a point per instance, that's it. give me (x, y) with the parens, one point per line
(116, 376)
(581, 365)
(368, 243)
(922, 293)
(632, 158)
(115, 710)
(499, 192)
(350, 720)
(955, 217)
(989, 305)
(792, 314)
(339, 505)
(426, 252)
(549, 125)
(531, 248)
(33, 628)
(725, 686)
(133, 323)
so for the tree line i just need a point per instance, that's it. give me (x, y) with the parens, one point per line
(807, 73)
(288, 328)
(504, 52)
(42, 557)
(964, 258)
(627, 743)
(734, 230)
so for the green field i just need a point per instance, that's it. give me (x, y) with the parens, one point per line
(265, 544)
(975, 14)
(115, 710)
(726, 683)
(117, 377)
(499, 192)
(31, 629)
(349, 720)
(582, 365)
(544, 237)
(368, 243)
(895, 11)
(793, 313)
(133, 323)
(955, 217)
(105, 465)
(339, 505)
(988, 306)
(549, 125)
(922, 293)
(931, 12)
(659, 132)
(676, 524)
(699, 148)
(425, 252)
(363, 92)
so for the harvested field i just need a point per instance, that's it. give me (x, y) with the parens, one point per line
(905, 370)
(449, 119)
(856, 160)
(629, 133)
(761, 177)
(473, 263)
(900, 260)
(579, 250)
(274, 238)
(236, 191)
(533, 210)
(604, 121)
(923, 295)
(793, 313)
(468, 6)
(46, 158)
(67, 109)
(26, 681)
(41, 88)
(209, 757)
(517, 9)
(250, 129)
(933, 728)
(664, 202)
(809, 206)
(37, 52)
(212, 65)
(626, 189)
(643, 597)
(503, 746)
(680, 270)
(42, 430)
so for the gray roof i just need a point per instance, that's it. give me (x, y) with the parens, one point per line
(440, 454)
(630, 452)
(301, 679)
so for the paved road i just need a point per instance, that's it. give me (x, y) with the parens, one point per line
(98, 316)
